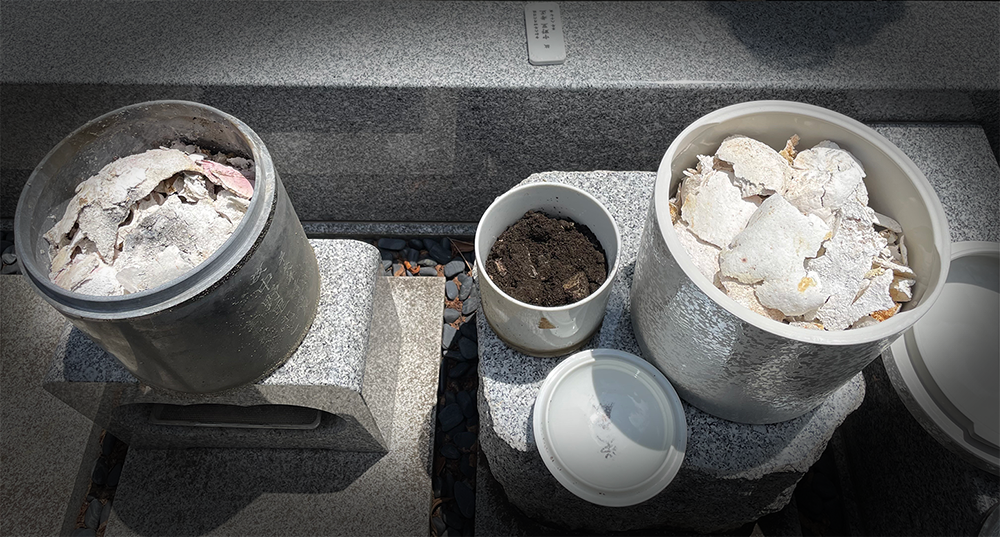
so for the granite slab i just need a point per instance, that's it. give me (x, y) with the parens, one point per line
(375, 111)
(732, 473)
(345, 366)
(305, 492)
(47, 450)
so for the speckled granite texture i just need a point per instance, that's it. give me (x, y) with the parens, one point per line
(732, 473)
(375, 111)
(47, 450)
(346, 365)
(956, 161)
(304, 492)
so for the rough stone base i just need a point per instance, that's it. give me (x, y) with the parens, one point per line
(345, 366)
(303, 491)
(732, 473)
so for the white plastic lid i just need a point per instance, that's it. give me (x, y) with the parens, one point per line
(950, 359)
(610, 427)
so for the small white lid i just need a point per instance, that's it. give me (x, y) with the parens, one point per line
(610, 427)
(950, 359)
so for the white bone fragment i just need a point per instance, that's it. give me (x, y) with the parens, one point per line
(889, 236)
(704, 255)
(847, 259)
(227, 177)
(888, 223)
(793, 294)
(717, 211)
(902, 250)
(873, 297)
(809, 325)
(896, 268)
(231, 206)
(745, 295)
(106, 202)
(675, 211)
(758, 168)
(901, 289)
(774, 244)
(693, 181)
(192, 188)
(867, 320)
(823, 179)
(789, 152)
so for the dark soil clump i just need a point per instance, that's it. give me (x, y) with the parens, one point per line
(547, 261)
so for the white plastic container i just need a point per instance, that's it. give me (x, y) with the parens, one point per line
(730, 361)
(537, 330)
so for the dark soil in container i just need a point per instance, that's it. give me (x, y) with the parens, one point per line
(547, 261)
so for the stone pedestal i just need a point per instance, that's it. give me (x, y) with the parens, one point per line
(345, 368)
(732, 473)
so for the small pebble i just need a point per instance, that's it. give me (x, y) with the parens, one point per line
(8, 269)
(466, 402)
(460, 369)
(427, 262)
(8, 256)
(412, 255)
(428, 271)
(106, 512)
(450, 289)
(473, 421)
(430, 243)
(465, 465)
(452, 517)
(453, 354)
(396, 268)
(439, 526)
(448, 336)
(470, 305)
(454, 268)
(108, 444)
(100, 475)
(387, 264)
(466, 499)
(468, 348)
(466, 290)
(392, 244)
(450, 452)
(451, 315)
(416, 244)
(450, 416)
(469, 330)
(464, 440)
(449, 397)
(115, 475)
(446, 243)
(447, 487)
(439, 254)
(457, 429)
(92, 518)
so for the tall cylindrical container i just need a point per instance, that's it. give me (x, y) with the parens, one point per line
(730, 361)
(229, 321)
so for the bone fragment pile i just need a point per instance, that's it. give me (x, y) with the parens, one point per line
(148, 218)
(789, 234)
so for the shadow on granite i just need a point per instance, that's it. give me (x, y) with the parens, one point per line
(817, 31)
(235, 478)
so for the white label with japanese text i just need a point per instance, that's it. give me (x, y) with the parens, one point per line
(543, 26)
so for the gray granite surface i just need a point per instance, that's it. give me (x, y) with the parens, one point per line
(47, 450)
(970, 194)
(304, 491)
(732, 473)
(346, 365)
(903, 481)
(376, 111)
